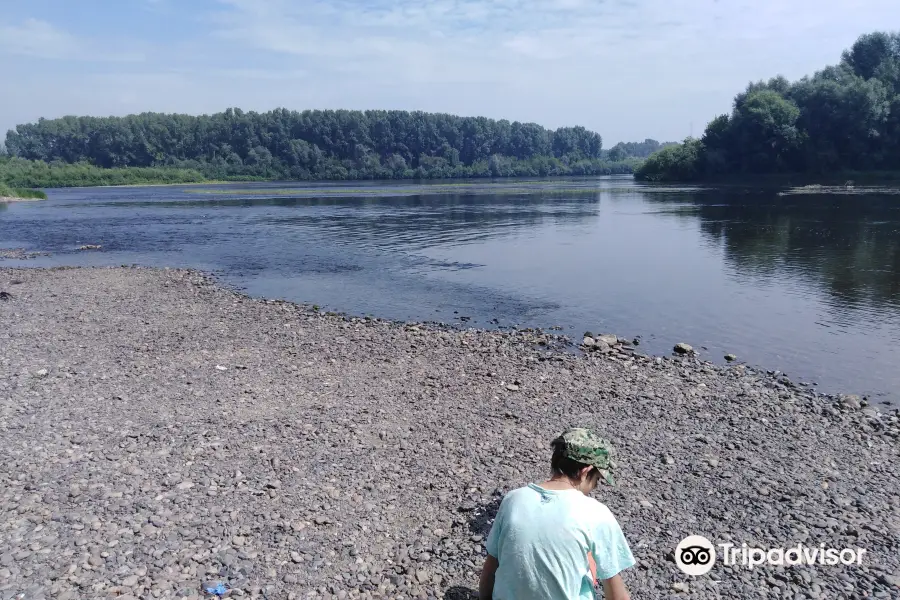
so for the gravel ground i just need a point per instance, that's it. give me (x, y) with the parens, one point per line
(158, 431)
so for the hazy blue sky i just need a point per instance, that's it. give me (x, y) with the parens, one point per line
(629, 69)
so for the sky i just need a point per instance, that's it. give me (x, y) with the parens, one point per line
(628, 69)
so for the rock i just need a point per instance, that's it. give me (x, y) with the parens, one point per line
(682, 348)
(290, 578)
(587, 341)
(41, 373)
(130, 581)
(608, 339)
(221, 368)
(184, 485)
(730, 357)
(669, 460)
(512, 387)
(851, 401)
(890, 580)
(681, 586)
(90, 247)
(295, 556)
(645, 503)
(422, 575)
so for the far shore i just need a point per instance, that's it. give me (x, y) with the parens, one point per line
(11, 199)
(792, 180)
(160, 432)
(455, 181)
(883, 179)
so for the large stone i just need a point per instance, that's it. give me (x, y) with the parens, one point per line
(851, 401)
(682, 348)
(608, 338)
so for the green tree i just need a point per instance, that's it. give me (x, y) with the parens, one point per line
(329, 144)
(681, 162)
(764, 126)
(845, 117)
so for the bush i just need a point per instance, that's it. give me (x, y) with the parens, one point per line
(9, 192)
(18, 172)
(673, 163)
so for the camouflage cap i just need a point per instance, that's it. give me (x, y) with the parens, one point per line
(584, 446)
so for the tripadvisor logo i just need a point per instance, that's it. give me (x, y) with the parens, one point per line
(696, 555)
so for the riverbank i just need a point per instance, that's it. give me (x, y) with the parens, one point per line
(836, 179)
(38, 174)
(11, 199)
(158, 431)
(8, 194)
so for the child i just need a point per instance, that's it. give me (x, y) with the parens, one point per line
(552, 541)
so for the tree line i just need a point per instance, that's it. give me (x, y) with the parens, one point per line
(624, 150)
(314, 144)
(845, 117)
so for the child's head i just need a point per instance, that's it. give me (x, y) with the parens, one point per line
(582, 457)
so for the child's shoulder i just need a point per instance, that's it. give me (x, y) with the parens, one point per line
(519, 493)
(597, 508)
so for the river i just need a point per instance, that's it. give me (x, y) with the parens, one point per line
(808, 284)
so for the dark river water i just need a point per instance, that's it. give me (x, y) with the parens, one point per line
(807, 284)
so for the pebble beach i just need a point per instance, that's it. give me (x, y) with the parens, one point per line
(161, 434)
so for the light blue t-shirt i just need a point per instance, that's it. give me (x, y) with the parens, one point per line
(541, 539)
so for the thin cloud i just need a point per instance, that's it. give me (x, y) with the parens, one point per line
(40, 39)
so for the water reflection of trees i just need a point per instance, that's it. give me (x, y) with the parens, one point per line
(850, 244)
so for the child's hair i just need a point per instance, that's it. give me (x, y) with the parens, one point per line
(565, 466)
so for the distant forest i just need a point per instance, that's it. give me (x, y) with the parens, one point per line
(625, 150)
(843, 118)
(313, 144)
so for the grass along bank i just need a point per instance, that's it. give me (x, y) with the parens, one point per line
(37, 174)
(8, 194)
(19, 172)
